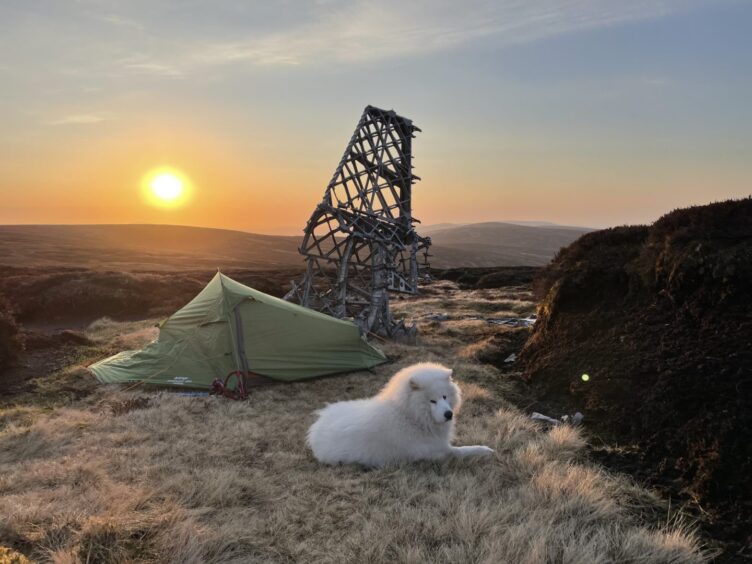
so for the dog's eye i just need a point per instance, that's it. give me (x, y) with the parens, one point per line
(444, 397)
(433, 401)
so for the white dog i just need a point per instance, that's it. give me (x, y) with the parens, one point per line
(412, 418)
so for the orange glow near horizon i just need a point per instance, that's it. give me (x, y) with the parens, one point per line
(234, 182)
(237, 119)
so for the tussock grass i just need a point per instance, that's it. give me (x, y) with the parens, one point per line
(478, 349)
(123, 335)
(154, 476)
(481, 303)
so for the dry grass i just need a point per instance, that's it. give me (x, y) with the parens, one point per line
(123, 335)
(477, 350)
(445, 297)
(167, 478)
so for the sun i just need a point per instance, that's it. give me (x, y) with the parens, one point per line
(166, 187)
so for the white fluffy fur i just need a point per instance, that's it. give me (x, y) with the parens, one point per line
(406, 421)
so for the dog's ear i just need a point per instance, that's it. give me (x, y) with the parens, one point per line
(414, 386)
(449, 374)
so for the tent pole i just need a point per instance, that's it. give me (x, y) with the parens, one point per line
(240, 345)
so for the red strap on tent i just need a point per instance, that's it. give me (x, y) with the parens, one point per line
(221, 388)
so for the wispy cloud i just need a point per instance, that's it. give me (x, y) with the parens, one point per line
(155, 40)
(80, 119)
(353, 32)
(117, 20)
(157, 69)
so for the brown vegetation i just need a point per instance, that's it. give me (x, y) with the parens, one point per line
(10, 340)
(483, 278)
(143, 247)
(53, 295)
(137, 248)
(660, 318)
(135, 475)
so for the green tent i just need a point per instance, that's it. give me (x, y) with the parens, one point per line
(229, 327)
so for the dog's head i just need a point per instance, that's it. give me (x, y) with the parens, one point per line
(432, 390)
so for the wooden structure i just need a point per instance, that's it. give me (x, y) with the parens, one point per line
(360, 243)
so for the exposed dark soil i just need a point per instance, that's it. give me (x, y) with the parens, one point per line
(504, 344)
(660, 318)
(48, 354)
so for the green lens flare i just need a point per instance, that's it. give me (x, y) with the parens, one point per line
(585, 377)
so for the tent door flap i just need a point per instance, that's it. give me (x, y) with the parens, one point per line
(240, 340)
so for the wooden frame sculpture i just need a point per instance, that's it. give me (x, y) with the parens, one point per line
(360, 243)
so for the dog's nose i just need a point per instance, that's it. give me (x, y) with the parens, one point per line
(447, 415)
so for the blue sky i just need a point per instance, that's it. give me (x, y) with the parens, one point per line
(580, 112)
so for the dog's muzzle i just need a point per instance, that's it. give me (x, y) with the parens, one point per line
(448, 415)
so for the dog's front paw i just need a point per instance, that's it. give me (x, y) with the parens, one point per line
(475, 450)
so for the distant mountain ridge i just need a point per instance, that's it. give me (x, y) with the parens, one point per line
(169, 247)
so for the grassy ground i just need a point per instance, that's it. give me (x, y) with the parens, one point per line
(113, 475)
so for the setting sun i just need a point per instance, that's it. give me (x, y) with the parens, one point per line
(166, 187)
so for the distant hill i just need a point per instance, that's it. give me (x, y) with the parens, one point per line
(430, 229)
(548, 225)
(143, 247)
(435, 227)
(499, 244)
(170, 247)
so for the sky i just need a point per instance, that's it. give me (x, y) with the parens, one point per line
(578, 112)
